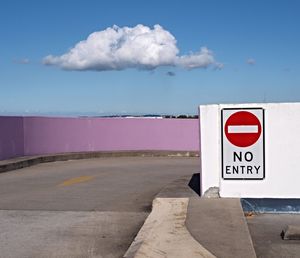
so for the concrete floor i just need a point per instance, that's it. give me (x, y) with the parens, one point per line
(82, 208)
(29, 234)
(265, 230)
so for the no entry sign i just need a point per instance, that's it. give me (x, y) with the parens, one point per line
(243, 143)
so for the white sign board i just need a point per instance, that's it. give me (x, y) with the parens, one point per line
(243, 144)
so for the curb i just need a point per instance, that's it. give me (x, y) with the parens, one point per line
(220, 225)
(164, 233)
(22, 162)
(172, 228)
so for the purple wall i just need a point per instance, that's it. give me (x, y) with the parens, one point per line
(43, 135)
(11, 137)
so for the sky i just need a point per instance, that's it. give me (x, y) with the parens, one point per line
(146, 57)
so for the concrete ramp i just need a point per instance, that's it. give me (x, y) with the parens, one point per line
(220, 226)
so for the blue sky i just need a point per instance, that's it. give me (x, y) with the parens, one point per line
(257, 43)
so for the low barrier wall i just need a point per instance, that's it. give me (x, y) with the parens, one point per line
(22, 136)
(11, 137)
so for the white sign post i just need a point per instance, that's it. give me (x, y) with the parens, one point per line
(243, 144)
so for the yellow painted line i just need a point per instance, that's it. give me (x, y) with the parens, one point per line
(76, 180)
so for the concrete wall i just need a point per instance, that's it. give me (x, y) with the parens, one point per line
(282, 154)
(11, 137)
(43, 135)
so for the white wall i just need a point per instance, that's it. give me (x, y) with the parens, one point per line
(282, 153)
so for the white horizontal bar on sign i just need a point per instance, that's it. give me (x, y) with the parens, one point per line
(242, 129)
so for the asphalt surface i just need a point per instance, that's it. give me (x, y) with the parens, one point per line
(82, 208)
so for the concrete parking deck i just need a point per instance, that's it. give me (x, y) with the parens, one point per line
(96, 207)
(82, 208)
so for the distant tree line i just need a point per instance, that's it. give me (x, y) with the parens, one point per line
(182, 116)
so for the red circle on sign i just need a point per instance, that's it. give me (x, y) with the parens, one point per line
(242, 129)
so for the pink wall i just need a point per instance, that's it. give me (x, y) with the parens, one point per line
(11, 137)
(43, 135)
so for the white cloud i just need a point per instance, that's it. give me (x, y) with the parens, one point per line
(203, 58)
(139, 47)
(250, 61)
